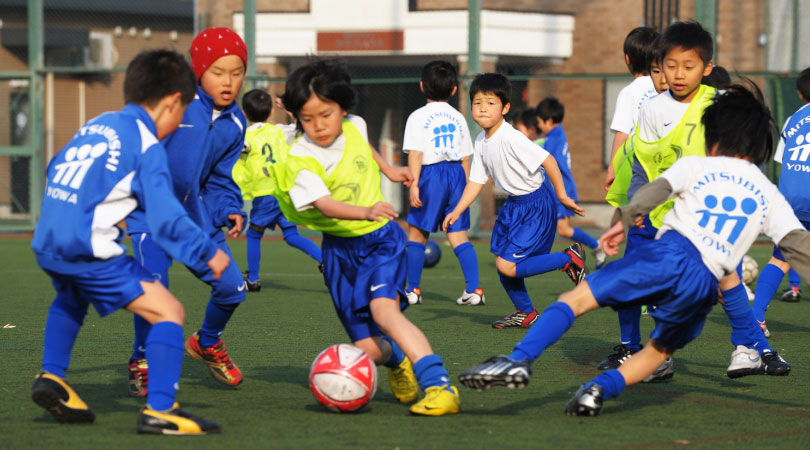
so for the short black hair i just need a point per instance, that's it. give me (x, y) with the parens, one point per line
(638, 46)
(438, 80)
(154, 74)
(740, 124)
(688, 36)
(257, 105)
(528, 118)
(550, 108)
(718, 78)
(654, 54)
(327, 79)
(803, 84)
(494, 83)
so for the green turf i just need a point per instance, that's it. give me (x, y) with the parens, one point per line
(275, 335)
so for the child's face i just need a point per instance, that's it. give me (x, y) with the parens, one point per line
(657, 75)
(683, 71)
(528, 132)
(321, 120)
(223, 80)
(545, 125)
(487, 109)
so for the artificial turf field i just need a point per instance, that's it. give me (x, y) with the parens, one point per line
(276, 333)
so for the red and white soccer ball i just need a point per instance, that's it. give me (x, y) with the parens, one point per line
(343, 378)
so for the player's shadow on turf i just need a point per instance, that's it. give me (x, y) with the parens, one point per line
(294, 375)
(475, 314)
(775, 326)
(314, 286)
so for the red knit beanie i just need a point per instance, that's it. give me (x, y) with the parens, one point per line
(212, 44)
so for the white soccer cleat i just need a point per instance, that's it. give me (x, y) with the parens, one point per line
(744, 361)
(751, 295)
(414, 296)
(474, 298)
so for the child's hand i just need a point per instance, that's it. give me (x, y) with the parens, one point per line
(237, 220)
(381, 210)
(450, 219)
(572, 206)
(639, 221)
(609, 242)
(415, 202)
(400, 175)
(609, 178)
(218, 263)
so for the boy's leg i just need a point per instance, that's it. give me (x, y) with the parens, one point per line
(793, 294)
(415, 251)
(254, 236)
(384, 350)
(767, 284)
(468, 259)
(525, 314)
(293, 239)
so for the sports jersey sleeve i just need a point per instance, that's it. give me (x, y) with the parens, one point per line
(478, 172)
(171, 227)
(220, 192)
(413, 139)
(780, 147)
(530, 155)
(308, 187)
(623, 120)
(781, 219)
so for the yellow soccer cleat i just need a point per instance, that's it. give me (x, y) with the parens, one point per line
(175, 421)
(403, 382)
(54, 394)
(438, 401)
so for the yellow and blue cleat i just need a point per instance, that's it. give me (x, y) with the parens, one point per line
(54, 394)
(175, 421)
(438, 401)
(403, 382)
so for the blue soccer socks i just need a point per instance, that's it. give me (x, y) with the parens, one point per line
(550, 326)
(469, 265)
(430, 372)
(767, 284)
(535, 265)
(397, 355)
(142, 328)
(516, 290)
(584, 238)
(164, 351)
(415, 252)
(216, 317)
(630, 327)
(293, 239)
(793, 278)
(254, 252)
(612, 383)
(745, 329)
(61, 329)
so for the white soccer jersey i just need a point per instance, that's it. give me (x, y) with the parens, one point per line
(722, 204)
(511, 159)
(439, 131)
(309, 186)
(659, 116)
(628, 104)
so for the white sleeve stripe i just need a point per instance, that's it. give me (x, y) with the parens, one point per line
(147, 138)
(113, 209)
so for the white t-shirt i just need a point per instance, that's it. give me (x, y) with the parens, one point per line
(439, 131)
(308, 185)
(628, 104)
(510, 158)
(659, 116)
(722, 204)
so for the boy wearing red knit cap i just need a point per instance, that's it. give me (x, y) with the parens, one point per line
(201, 154)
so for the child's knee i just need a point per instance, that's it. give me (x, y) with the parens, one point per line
(564, 230)
(506, 268)
(782, 265)
(377, 349)
(384, 311)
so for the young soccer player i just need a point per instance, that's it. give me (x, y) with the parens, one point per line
(265, 144)
(722, 204)
(112, 165)
(718, 78)
(526, 122)
(669, 127)
(656, 71)
(331, 183)
(438, 144)
(549, 116)
(201, 154)
(793, 181)
(524, 231)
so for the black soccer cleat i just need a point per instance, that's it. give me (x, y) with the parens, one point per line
(575, 269)
(497, 371)
(774, 365)
(54, 394)
(617, 358)
(252, 286)
(175, 421)
(586, 402)
(791, 295)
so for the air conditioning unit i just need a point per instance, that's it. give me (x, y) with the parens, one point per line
(100, 53)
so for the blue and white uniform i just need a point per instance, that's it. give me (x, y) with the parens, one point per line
(722, 204)
(440, 133)
(793, 153)
(556, 145)
(113, 165)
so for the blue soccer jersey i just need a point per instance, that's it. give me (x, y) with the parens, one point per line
(793, 153)
(113, 165)
(557, 146)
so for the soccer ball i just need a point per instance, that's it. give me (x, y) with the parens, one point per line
(433, 253)
(750, 270)
(343, 378)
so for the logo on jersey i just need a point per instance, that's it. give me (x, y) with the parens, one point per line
(443, 136)
(727, 220)
(799, 153)
(445, 130)
(361, 164)
(72, 171)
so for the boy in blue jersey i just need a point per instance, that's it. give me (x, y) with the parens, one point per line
(201, 154)
(524, 231)
(438, 144)
(550, 113)
(792, 153)
(722, 204)
(113, 164)
(265, 144)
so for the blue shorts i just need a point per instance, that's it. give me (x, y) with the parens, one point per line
(108, 289)
(639, 236)
(563, 212)
(668, 273)
(265, 213)
(778, 253)
(359, 269)
(229, 289)
(526, 226)
(440, 189)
